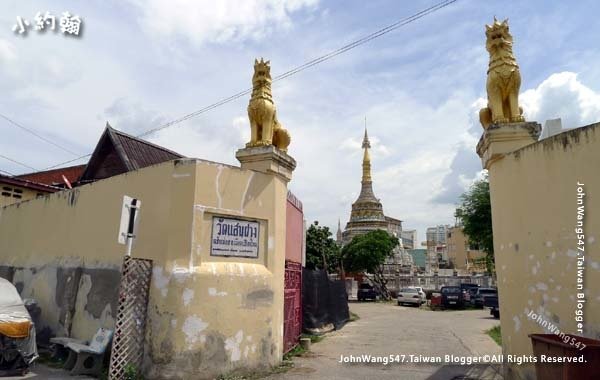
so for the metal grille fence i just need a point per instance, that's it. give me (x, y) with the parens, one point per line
(130, 326)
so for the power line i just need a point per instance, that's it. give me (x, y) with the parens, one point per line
(316, 61)
(67, 162)
(9, 173)
(37, 135)
(296, 70)
(17, 162)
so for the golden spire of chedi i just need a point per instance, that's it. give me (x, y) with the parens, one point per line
(366, 177)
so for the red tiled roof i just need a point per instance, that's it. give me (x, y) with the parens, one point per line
(15, 181)
(54, 177)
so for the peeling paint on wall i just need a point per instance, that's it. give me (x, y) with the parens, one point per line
(213, 293)
(160, 280)
(517, 323)
(192, 327)
(188, 295)
(233, 346)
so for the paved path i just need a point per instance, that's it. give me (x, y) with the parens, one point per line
(42, 372)
(385, 329)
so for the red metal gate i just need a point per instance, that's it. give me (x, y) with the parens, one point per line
(292, 307)
(294, 248)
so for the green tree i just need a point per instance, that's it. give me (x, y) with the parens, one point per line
(322, 252)
(367, 253)
(476, 215)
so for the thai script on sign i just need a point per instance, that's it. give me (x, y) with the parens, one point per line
(234, 237)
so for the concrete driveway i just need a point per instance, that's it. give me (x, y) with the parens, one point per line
(42, 372)
(386, 329)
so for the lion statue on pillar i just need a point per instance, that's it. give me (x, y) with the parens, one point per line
(503, 80)
(265, 128)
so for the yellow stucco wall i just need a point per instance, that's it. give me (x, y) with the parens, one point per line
(534, 211)
(5, 189)
(207, 315)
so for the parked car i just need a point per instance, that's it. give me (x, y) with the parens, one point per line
(452, 296)
(492, 303)
(410, 296)
(478, 299)
(17, 333)
(469, 294)
(468, 290)
(366, 292)
(421, 293)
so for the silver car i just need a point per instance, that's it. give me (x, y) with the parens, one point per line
(409, 296)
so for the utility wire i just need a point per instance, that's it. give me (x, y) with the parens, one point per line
(14, 123)
(9, 173)
(17, 162)
(296, 70)
(311, 63)
(67, 162)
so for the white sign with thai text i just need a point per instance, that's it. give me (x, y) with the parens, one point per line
(234, 237)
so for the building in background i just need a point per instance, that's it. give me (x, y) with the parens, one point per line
(24, 187)
(461, 255)
(367, 211)
(551, 127)
(438, 233)
(409, 239)
(437, 255)
(419, 256)
(14, 190)
(367, 214)
(116, 153)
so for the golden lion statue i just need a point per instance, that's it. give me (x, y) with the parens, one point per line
(265, 128)
(504, 78)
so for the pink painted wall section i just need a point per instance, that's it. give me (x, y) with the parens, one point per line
(295, 229)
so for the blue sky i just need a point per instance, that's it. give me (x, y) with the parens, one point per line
(139, 64)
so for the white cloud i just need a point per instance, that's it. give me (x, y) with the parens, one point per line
(7, 51)
(131, 116)
(218, 21)
(562, 95)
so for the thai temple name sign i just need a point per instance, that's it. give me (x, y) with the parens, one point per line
(234, 237)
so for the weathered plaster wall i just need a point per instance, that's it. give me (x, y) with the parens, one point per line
(214, 315)
(534, 209)
(207, 315)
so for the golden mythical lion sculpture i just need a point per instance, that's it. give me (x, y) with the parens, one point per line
(504, 78)
(265, 128)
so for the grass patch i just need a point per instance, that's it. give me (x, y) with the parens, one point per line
(495, 334)
(45, 358)
(313, 338)
(296, 351)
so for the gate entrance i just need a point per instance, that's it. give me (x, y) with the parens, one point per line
(294, 246)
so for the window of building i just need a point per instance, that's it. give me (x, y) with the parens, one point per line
(12, 192)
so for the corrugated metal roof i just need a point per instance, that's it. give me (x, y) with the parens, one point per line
(117, 153)
(141, 153)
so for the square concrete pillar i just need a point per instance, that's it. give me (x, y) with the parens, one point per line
(500, 139)
(267, 159)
